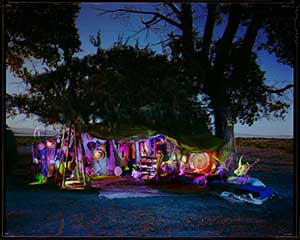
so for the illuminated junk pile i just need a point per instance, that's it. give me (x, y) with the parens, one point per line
(66, 157)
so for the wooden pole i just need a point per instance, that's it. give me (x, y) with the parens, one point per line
(82, 156)
(67, 154)
(58, 158)
(76, 153)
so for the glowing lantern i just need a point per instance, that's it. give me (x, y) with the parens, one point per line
(99, 154)
(50, 143)
(58, 140)
(200, 162)
(35, 161)
(118, 171)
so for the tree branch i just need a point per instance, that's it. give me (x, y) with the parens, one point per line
(225, 42)
(151, 22)
(279, 91)
(232, 25)
(251, 34)
(137, 32)
(209, 28)
(128, 10)
(175, 9)
(160, 42)
(223, 46)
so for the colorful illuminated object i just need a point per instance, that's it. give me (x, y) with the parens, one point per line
(80, 156)
(76, 160)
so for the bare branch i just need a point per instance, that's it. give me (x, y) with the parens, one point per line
(209, 28)
(251, 34)
(279, 91)
(160, 42)
(175, 9)
(232, 25)
(225, 42)
(128, 10)
(151, 22)
(138, 32)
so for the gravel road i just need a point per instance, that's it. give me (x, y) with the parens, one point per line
(45, 211)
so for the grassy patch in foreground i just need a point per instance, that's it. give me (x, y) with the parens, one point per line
(285, 145)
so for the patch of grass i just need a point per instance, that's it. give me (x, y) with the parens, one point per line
(27, 141)
(285, 145)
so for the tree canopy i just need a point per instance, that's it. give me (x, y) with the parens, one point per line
(121, 85)
(224, 64)
(44, 31)
(203, 73)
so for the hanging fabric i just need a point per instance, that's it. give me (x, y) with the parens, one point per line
(44, 161)
(112, 160)
(133, 150)
(118, 160)
(138, 156)
(107, 148)
(124, 149)
(142, 149)
(147, 145)
(51, 146)
(151, 144)
(95, 151)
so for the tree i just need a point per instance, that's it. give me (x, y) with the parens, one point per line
(145, 86)
(280, 32)
(39, 31)
(56, 96)
(121, 85)
(226, 69)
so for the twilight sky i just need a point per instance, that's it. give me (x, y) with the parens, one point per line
(89, 23)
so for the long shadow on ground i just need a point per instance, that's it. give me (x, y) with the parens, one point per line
(46, 211)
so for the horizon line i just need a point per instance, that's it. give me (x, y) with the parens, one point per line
(29, 131)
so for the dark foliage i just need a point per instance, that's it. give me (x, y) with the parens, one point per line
(44, 31)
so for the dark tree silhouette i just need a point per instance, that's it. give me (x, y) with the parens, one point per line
(226, 69)
(122, 85)
(43, 31)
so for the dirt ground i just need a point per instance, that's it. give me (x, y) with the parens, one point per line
(196, 212)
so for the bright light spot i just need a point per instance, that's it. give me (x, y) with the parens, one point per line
(98, 120)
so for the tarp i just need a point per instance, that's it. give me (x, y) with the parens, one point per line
(198, 139)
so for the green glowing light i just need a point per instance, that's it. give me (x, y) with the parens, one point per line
(41, 180)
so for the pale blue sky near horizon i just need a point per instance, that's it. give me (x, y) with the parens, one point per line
(89, 23)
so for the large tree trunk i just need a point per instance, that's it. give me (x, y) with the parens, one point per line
(224, 131)
(187, 32)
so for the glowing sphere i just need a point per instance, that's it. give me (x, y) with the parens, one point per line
(118, 171)
(35, 161)
(99, 155)
(199, 161)
(50, 144)
(41, 146)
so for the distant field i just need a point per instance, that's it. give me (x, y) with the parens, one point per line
(266, 143)
(27, 141)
